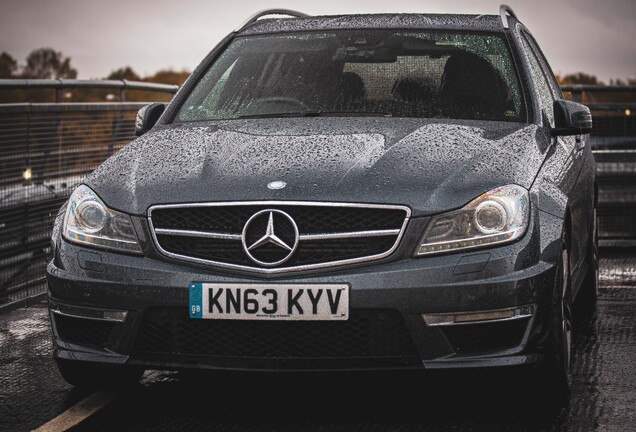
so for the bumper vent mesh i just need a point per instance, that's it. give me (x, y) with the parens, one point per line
(82, 331)
(473, 338)
(367, 335)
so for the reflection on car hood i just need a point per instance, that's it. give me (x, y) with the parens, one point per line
(430, 165)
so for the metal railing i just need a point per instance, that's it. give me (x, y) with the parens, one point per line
(46, 149)
(59, 86)
(614, 146)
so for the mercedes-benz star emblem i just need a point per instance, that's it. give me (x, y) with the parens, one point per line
(276, 184)
(270, 237)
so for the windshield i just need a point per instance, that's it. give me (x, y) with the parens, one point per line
(360, 73)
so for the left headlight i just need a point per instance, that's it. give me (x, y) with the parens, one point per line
(88, 221)
(497, 216)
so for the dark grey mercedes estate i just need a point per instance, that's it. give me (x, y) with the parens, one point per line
(392, 191)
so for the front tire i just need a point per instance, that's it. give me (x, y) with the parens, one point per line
(587, 297)
(556, 372)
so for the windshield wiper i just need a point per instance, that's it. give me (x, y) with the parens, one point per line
(348, 114)
(273, 115)
(318, 114)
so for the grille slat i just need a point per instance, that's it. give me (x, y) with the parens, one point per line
(330, 234)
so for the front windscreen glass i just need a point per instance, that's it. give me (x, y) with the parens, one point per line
(360, 73)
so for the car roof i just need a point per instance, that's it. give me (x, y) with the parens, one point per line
(490, 23)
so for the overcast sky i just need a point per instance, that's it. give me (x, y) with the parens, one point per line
(592, 36)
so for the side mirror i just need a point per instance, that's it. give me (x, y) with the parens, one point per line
(147, 117)
(571, 118)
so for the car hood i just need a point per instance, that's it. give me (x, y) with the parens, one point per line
(429, 165)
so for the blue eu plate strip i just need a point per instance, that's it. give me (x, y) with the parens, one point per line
(196, 300)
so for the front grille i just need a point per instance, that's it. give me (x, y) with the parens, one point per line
(82, 331)
(328, 234)
(368, 334)
(309, 218)
(314, 252)
(473, 338)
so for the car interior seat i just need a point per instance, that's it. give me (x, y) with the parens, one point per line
(352, 92)
(471, 88)
(412, 95)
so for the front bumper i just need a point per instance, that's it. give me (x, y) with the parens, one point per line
(112, 308)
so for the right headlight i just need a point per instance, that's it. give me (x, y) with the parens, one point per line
(90, 222)
(497, 216)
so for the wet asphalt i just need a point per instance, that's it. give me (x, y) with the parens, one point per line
(603, 396)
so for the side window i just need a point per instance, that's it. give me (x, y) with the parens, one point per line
(545, 92)
(215, 94)
(547, 70)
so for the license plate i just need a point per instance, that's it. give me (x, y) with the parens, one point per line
(269, 302)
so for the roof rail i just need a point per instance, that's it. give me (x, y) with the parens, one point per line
(504, 11)
(257, 15)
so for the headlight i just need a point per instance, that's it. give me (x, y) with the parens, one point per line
(498, 216)
(88, 221)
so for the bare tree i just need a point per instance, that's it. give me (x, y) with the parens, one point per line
(48, 63)
(8, 65)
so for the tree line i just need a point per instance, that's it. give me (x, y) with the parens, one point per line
(47, 63)
(40, 63)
